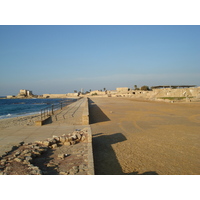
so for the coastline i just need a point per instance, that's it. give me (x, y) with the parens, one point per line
(28, 120)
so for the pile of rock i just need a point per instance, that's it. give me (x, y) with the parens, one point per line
(20, 159)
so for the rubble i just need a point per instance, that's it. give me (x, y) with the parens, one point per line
(19, 161)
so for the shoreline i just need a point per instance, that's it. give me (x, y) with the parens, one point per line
(27, 120)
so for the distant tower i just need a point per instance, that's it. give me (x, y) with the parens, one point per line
(82, 90)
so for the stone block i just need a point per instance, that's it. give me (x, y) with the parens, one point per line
(53, 146)
(67, 143)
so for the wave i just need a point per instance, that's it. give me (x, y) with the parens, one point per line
(18, 115)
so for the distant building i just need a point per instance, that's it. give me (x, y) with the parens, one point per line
(25, 93)
(10, 96)
(122, 90)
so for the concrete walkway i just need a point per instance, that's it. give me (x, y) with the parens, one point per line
(65, 121)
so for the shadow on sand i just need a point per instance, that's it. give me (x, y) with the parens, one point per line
(105, 160)
(96, 114)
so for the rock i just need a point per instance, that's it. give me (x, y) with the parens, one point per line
(74, 137)
(26, 162)
(74, 170)
(57, 139)
(36, 171)
(38, 142)
(67, 143)
(3, 163)
(74, 133)
(41, 149)
(26, 151)
(83, 138)
(46, 143)
(17, 153)
(28, 158)
(51, 165)
(62, 155)
(35, 153)
(52, 141)
(53, 146)
(63, 173)
(18, 159)
(73, 142)
(3, 160)
(62, 139)
(78, 136)
(10, 158)
(28, 154)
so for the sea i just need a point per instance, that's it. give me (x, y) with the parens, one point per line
(10, 108)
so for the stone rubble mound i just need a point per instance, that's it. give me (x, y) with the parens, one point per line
(18, 161)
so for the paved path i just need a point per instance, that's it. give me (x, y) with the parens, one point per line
(135, 137)
(65, 121)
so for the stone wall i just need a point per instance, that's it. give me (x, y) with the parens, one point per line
(182, 92)
(55, 95)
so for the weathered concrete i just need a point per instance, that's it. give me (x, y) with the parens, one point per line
(85, 115)
(42, 122)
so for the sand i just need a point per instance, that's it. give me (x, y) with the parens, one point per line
(143, 137)
(19, 121)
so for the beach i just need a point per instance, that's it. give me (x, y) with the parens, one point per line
(24, 112)
(19, 121)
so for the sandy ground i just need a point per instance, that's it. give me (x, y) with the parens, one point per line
(19, 121)
(141, 137)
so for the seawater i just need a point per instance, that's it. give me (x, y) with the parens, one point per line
(10, 108)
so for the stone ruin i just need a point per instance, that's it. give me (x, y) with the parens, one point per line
(19, 161)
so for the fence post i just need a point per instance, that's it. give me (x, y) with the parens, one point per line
(52, 109)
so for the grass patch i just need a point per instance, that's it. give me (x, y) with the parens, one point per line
(172, 98)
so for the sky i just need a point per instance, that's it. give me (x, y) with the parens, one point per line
(60, 59)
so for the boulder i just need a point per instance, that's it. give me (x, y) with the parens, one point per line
(67, 143)
(46, 143)
(53, 146)
(62, 139)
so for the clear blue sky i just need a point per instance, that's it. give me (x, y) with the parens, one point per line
(61, 59)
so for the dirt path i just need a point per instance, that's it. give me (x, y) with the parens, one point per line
(135, 137)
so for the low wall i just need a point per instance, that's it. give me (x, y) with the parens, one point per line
(42, 122)
(54, 96)
(85, 114)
